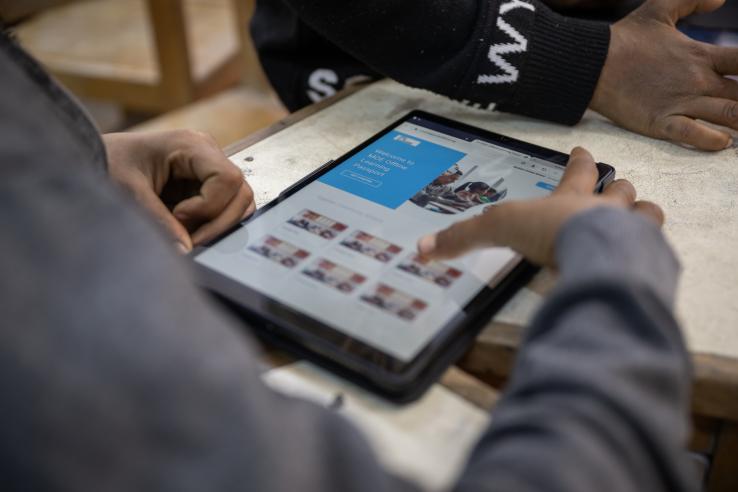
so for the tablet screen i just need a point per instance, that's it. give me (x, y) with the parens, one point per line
(342, 249)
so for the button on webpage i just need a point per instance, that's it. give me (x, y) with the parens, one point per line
(361, 178)
(546, 186)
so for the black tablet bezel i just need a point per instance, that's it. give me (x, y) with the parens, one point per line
(367, 365)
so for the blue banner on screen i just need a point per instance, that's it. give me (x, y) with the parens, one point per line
(392, 169)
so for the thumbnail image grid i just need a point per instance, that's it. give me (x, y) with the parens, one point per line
(282, 252)
(371, 246)
(394, 301)
(338, 277)
(317, 224)
(434, 272)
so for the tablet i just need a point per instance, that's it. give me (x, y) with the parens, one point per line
(329, 269)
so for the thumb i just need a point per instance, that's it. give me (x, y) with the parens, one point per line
(678, 9)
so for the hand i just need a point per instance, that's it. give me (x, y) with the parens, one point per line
(205, 191)
(658, 82)
(531, 227)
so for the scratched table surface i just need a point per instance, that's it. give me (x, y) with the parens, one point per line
(698, 191)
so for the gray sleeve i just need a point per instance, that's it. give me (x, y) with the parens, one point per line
(599, 397)
(116, 374)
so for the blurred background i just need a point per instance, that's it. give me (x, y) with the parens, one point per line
(168, 64)
(158, 64)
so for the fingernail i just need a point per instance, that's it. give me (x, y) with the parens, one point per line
(182, 248)
(427, 244)
(181, 216)
(730, 144)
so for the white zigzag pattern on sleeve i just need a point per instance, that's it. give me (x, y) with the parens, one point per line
(510, 73)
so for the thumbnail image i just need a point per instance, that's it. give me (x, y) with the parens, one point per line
(371, 246)
(396, 302)
(317, 224)
(279, 251)
(457, 190)
(433, 271)
(338, 277)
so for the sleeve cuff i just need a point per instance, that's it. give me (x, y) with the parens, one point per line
(562, 68)
(616, 244)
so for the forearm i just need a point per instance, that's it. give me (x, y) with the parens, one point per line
(599, 396)
(517, 54)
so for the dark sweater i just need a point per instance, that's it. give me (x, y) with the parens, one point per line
(516, 54)
(116, 373)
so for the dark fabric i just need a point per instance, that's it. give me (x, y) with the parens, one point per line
(516, 54)
(556, 84)
(302, 67)
(116, 374)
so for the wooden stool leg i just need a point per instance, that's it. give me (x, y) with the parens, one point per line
(176, 81)
(723, 475)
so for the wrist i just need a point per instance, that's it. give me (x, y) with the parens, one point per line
(613, 243)
(605, 94)
(562, 67)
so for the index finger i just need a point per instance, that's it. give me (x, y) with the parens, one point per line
(456, 240)
(491, 228)
(581, 174)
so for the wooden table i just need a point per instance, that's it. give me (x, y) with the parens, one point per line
(699, 192)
